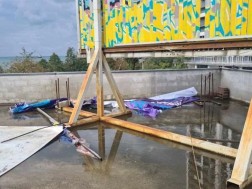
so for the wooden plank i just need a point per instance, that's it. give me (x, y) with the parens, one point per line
(98, 46)
(99, 88)
(211, 147)
(82, 113)
(86, 121)
(84, 86)
(97, 25)
(90, 114)
(113, 85)
(181, 46)
(119, 114)
(243, 160)
(171, 144)
(101, 137)
(114, 149)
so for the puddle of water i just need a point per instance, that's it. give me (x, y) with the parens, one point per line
(131, 159)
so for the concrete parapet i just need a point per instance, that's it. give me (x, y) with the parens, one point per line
(132, 84)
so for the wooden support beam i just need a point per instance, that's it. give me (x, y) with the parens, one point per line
(211, 147)
(172, 144)
(90, 114)
(86, 121)
(113, 85)
(84, 86)
(82, 113)
(180, 46)
(101, 136)
(98, 46)
(99, 89)
(118, 114)
(114, 149)
(240, 174)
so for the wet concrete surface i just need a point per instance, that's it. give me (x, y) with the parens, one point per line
(132, 160)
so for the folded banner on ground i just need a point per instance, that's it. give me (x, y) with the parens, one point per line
(151, 108)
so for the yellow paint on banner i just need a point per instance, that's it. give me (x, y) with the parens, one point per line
(181, 24)
(238, 17)
(225, 18)
(207, 18)
(212, 19)
(233, 16)
(249, 25)
(244, 17)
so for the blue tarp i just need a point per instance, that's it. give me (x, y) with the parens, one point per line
(25, 107)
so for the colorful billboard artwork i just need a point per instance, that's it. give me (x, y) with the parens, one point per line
(138, 21)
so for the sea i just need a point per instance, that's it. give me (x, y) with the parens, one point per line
(5, 62)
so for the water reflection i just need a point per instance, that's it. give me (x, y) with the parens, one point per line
(136, 160)
(213, 170)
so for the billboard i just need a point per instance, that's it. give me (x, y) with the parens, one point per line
(140, 21)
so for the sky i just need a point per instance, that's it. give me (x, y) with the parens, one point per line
(39, 26)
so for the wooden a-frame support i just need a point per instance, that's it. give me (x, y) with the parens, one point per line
(99, 64)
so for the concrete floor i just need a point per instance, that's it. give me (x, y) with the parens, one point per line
(132, 160)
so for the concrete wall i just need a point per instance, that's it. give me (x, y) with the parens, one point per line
(239, 82)
(132, 84)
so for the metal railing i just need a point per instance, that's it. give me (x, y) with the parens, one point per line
(239, 61)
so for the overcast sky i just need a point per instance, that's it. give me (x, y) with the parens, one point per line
(43, 26)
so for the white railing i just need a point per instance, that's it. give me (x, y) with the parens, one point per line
(239, 61)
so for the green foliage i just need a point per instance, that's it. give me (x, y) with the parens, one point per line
(133, 63)
(55, 64)
(44, 64)
(70, 56)
(25, 64)
(124, 63)
(1, 69)
(73, 63)
(164, 63)
(25, 55)
(118, 64)
(158, 63)
(179, 63)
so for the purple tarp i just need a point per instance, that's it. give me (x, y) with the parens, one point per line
(151, 108)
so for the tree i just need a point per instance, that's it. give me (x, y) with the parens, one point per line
(70, 56)
(44, 64)
(25, 55)
(73, 63)
(179, 63)
(1, 69)
(55, 64)
(158, 63)
(165, 63)
(133, 63)
(118, 64)
(25, 64)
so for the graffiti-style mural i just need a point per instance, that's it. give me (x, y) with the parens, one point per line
(135, 21)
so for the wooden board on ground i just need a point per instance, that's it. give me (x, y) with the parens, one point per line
(16, 151)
